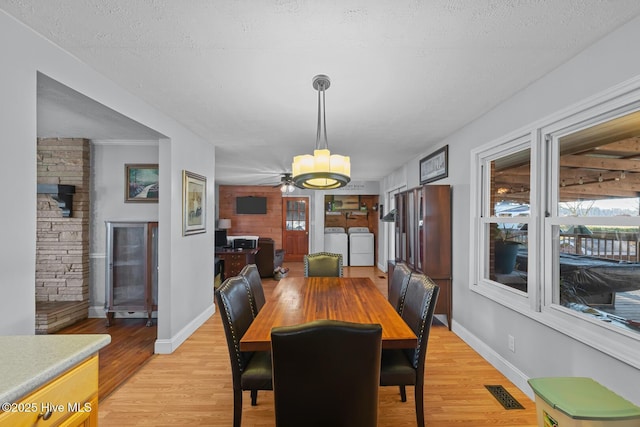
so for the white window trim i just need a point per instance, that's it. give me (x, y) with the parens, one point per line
(537, 304)
(498, 292)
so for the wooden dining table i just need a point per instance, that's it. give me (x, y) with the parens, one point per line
(297, 300)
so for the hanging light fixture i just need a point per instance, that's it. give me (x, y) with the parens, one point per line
(287, 188)
(322, 171)
(286, 183)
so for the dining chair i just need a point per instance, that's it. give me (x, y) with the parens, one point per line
(398, 285)
(249, 370)
(402, 367)
(323, 264)
(251, 273)
(326, 373)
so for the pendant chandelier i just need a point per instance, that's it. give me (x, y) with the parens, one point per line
(322, 171)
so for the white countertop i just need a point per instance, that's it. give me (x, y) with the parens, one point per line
(30, 361)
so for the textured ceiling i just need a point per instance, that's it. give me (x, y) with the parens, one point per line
(405, 74)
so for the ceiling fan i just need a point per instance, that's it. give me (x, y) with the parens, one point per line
(287, 185)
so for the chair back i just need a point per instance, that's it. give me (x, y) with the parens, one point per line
(252, 275)
(398, 285)
(265, 258)
(234, 302)
(323, 264)
(419, 305)
(326, 373)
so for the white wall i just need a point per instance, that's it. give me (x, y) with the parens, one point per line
(483, 323)
(18, 171)
(107, 204)
(186, 263)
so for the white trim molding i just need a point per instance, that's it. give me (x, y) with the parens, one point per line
(168, 346)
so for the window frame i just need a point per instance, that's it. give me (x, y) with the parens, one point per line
(543, 138)
(480, 172)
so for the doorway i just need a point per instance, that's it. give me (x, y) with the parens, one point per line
(295, 227)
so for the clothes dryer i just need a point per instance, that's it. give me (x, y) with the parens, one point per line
(361, 246)
(337, 242)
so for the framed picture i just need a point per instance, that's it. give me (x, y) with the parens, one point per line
(435, 166)
(194, 198)
(141, 183)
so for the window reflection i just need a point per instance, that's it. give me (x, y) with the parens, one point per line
(295, 216)
(599, 273)
(596, 263)
(510, 201)
(508, 260)
(510, 185)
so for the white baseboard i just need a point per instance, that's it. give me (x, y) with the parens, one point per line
(517, 377)
(168, 346)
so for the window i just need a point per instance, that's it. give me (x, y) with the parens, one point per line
(594, 221)
(504, 216)
(296, 215)
(556, 222)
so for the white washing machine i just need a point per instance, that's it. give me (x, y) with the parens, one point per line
(337, 242)
(361, 246)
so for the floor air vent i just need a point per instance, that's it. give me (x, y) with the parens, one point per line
(503, 396)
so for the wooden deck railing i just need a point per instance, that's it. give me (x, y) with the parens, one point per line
(618, 246)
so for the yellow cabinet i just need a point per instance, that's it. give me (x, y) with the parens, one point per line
(69, 400)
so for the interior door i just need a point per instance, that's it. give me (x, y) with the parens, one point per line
(295, 227)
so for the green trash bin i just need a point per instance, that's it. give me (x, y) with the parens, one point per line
(581, 402)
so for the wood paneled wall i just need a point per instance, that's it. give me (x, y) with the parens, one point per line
(269, 225)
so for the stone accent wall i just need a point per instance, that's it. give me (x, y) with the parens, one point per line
(62, 246)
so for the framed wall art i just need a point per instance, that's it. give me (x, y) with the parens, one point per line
(194, 198)
(141, 183)
(435, 166)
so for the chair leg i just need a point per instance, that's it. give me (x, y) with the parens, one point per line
(237, 408)
(254, 397)
(403, 393)
(419, 396)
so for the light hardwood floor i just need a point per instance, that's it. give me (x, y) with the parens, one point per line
(192, 386)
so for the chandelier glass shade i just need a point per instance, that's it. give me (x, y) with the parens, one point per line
(322, 170)
(287, 188)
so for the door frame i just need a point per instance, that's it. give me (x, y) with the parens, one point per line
(309, 231)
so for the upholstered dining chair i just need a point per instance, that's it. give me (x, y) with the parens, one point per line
(323, 264)
(326, 373)
(398, 285)
(251, 273)
(402, 367)
(249, 370)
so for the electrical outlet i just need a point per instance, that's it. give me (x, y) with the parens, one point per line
(512, 343)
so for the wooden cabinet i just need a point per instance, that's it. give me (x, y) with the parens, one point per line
(234, 260)
(423, 237)
(69, 400)
(132, 268)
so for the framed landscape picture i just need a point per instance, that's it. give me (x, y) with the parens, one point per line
(141, 183)
(194, 197)
(435, 166)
